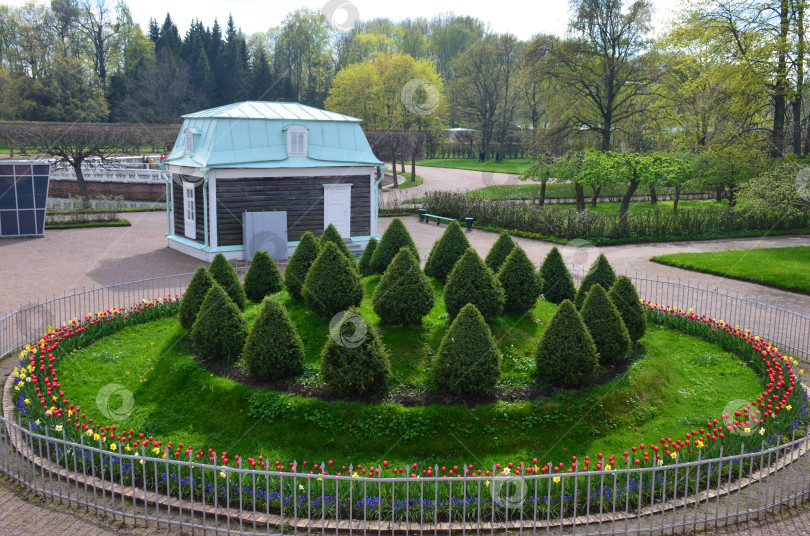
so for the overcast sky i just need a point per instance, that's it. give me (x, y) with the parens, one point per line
(520, 17)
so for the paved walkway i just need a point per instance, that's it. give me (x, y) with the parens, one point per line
(444, 179)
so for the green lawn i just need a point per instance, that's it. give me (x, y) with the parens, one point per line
(641, 206)
(554, 190)
(404, 180)
(676, 383)
(785, 268)
(510, 165)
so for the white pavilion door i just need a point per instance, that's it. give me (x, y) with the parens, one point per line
(337, 207)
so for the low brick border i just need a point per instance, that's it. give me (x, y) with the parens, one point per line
(139, 496)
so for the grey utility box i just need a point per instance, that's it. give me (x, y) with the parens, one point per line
(23, 197)
(265, 231)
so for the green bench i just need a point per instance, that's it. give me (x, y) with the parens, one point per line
(425, 217)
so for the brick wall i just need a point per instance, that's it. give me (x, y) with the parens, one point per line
(130, 191)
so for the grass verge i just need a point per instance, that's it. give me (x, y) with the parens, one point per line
(511, 165)
(80, 225)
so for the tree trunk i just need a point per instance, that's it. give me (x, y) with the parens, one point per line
(653, 195)
(780, 85)
(543, 192)
(628, 196)
(580, 193)
(77, 168)
(595, 196)
(413, 169)
(677, 198)
(394, 168)
(402, 166)
(797, 102)
(718, 195)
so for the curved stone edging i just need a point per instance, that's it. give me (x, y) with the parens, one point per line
(139, 496)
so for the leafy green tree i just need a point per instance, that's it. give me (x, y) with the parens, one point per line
(223, 273)
(566, 355)
(364, 265)
(468, 361)
(332, 283)
(500, 250)
(331, 234)
(219, 331)
(192, 300)
(300, 262)
(446, 252)
(558, 285)
(470, 281)
(600, 272)
(273, 350)
(262, 277)
(404, 294)
(393, 239)
(521, 284)
(624, 296)
(606, 326)
(354, 361)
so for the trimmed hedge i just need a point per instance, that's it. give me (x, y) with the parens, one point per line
(500, 250)
(299, 264)
(262, 277)
(558, 285)
(331, 234)
(600, 272)
(364, 266)
(404, 294)
(521, 284)
(606, 327)
(468, 361)
(223, 273)
(393, 239)
(470, 281)
(446, 252)
(219, 331)
(566, 355)
(354, 362)
(274, 349)
(624, 296)
(192, 300)
(332, 284)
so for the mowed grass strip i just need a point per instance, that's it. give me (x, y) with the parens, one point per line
(785, 268)
(515, 166)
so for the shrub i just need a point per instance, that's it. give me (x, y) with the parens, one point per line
(354, 362)
(273, 350)
(332, 283)
(219, 331)
(606, 327)
(262, 278)
(331, 234)
(364, 266)
(446, 252)
(566, 355)
(300, 262)
(468, 361)
(192, 300)
(558, 285)
(521, 284)
(624, 296)
(404, 294)
(393, 239)
(470, 281)
(224, 274)
(500, 249)
(601, 273)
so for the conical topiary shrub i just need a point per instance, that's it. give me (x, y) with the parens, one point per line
(446, 252)
(224, 274)
(558, 285)
(354, 362)
(606, 327)
(521, 284)
(364, 266)
(500, 249)
(262, 278)
(404, 294)
(566, 355)
(219, 331)
(470, 281)
(300, 262)
(600, 272)
(192, 300)
(332, 284)
(331, 234)
(468, 361)
(393, 239)
(624, 296)
(273, 350)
